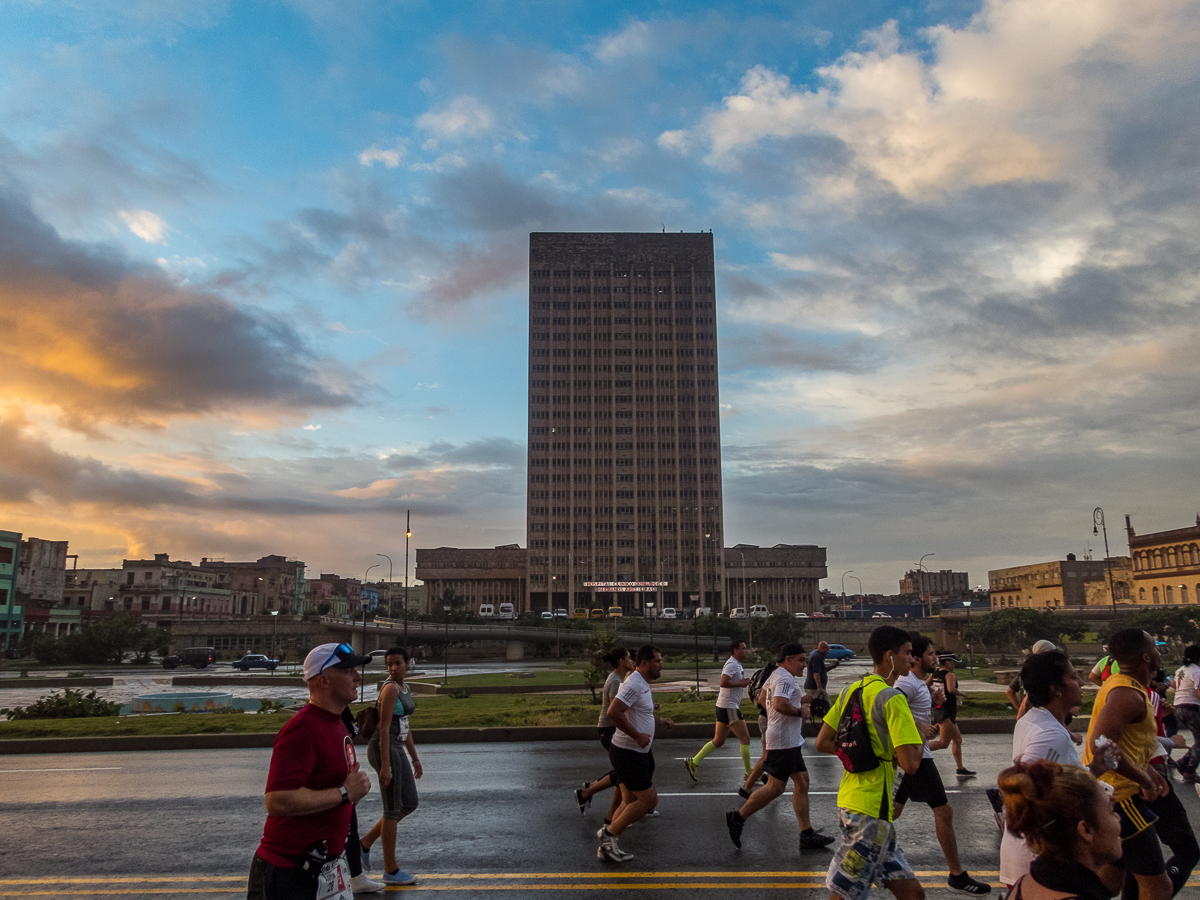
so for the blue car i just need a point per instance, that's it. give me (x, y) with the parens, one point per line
(837, 651)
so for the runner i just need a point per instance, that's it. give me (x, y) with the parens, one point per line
(925, 785)
(1015, 690)
(729, 712)
(1172, 826)
(786, 707)
(632, 712)
(1187, 709)
(1122, 714)
(756, 697)
(945, 713)
(385, 752)
(868, 850)
(1104, 667)
(621, 663)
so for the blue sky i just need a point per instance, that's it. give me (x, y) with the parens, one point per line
(262, 265)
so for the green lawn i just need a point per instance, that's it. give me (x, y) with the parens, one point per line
(106, 726)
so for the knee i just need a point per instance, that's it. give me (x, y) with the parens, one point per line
(719, 741)
(944, 814)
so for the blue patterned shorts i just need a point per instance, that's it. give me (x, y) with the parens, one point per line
(867, 854)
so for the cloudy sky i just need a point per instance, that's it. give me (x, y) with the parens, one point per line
(263, 265)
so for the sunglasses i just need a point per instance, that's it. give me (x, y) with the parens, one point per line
(341, 651)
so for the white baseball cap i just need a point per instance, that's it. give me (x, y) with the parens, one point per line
(331, 656)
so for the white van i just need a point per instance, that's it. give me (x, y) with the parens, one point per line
(506, 611)
(487, 611)
(759, 612)
(739, 612)
(668, 612)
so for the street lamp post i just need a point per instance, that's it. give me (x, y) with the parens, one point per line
(696, 640)
(1098, 522)
(750, 621)
(844, 574)
(557, 641)
(407, 535)
(860, 596)
(970, 662)
(712, 610)
(650, 608)
(274, 631)
(362, 685)
(446, 649)
(921, 593)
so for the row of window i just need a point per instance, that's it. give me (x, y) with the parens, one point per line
(611, 270)
(603, 510)
(621, 429)
(1168, 558)
(578, 446)
(583, 368)
(618, 305)
(641, 352)
(705, 412)
(665, 399)
(584, 384)
(647, 337)
(605, 321)
(654, 290)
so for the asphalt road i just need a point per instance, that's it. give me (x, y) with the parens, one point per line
(494, 817)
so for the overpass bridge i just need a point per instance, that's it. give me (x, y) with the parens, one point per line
(383, 633)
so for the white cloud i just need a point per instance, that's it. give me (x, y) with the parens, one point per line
(464, 116)
(632, 40)
(312, 427)
(389, 157)
(146, 225)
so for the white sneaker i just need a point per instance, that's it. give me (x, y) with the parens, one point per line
(361, 884)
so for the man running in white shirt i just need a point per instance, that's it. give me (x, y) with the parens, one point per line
(632, 712)
(787, 706)
(925, 784)
(729, 711)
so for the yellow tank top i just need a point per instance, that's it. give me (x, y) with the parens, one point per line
(1139, 742)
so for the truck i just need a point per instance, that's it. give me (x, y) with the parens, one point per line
(196, 657)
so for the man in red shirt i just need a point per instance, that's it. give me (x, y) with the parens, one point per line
(313, 782)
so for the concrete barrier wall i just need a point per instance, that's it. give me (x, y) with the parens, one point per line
(86, 681)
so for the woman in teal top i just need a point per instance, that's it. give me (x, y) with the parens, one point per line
(385, 752)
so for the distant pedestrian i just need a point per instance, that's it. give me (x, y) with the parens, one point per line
(787, 706)
(816, 683)
(945, 708)
(729, 711)
(632, 712)
(386, 753)
(1187, 709)
(313, 781)
(621, 663)
(925, 785)
(868, 850)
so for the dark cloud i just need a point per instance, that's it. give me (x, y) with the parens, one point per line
(103, 339)
(772, 349)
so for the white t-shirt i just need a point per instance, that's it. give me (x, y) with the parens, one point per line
(612, 684)
(1187, 686)
(921, 705)
(635, 693)
(731, 698)
(783, 731)
(1038, 735)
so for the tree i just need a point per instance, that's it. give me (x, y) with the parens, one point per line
(780, 628)
(1166, 622)
(1015, 629)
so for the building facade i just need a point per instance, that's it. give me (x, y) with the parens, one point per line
(477, 576)
(271, 583)
(1166, 565)
(624, 477)
(1062, 583)
(166, 591)
(934, 586)
(11, 612)
(783, 578)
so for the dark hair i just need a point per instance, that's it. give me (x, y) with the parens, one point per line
(885, 638)
(645, 654)
(790, 649)
(734, 644)
(397, 651)
(614, 656)
(1043, 671)
(1191, 654)
(920, 644)
(1044, 801)
(1127, 645)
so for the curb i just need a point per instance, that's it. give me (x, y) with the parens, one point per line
(687, 731)
(85, 681)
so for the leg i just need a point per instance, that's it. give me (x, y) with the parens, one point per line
(905, 889)
(738, 727)
(715, 744)
(369, 839)
(943, 822)
(800, 799)
(595, 787)
(755, 774)
(641, 804)
(353, 847)
(1174, 830)
(614, 806)
(389, 844)
(760, 798)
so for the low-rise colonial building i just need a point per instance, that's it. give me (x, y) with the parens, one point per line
(1166, 565)
(1061, 583)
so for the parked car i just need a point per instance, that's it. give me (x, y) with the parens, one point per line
(561, 614)
(801, 615)
(597, 613)
(821, 615)
(196, 657)
(615, 612)
(838, 651)
(256, 661)
(739, 613)
(506, 611)
(546, 614)
(580, 612)
(669, 612)
(759, 612)
(881, 615)
(487, 611)
(701, 611)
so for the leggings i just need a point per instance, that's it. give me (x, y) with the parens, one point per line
(1189, 718)
(399, 797)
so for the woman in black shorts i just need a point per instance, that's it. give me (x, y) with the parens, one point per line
(619, 660)
(943, 688)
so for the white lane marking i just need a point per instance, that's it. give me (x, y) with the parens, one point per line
(79, 769)
(734, 794)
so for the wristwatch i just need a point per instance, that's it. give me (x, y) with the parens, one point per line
(345, 795)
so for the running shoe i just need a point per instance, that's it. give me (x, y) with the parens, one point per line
(609, 850)
(814, 840)
(964, 773)
(361, 884)
(399, 877)
(365, 855)
(744, 794)
(579, 798)
(691, 768)
(965, 884)
(735, 826)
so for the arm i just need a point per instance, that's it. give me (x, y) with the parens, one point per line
(908, 756)
(1095, 677)
(825, 739)
(1125, 707)
(412, 754)
(305, 801)
(387, 704)
(727, 682)
(952, 686)
(783, 705)
(1012, 697)
(617, 715)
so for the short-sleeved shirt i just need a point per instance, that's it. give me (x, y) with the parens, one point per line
(869, 793)
(612, 684)
(313, 750)
(1038, 735)
(635, 693)
(783, 732)
(1187, 685)
(817, 676)
(920, 703)
(731, 698)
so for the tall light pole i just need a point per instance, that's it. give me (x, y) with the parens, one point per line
(362, 685)
(921, 568)
(407, 535)
(274, 631)
(844, 574)
(860, 596)
(1098, 522)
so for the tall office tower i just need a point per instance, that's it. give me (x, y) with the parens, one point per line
(624, 426)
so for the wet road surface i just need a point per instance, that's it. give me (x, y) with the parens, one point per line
(493, 817)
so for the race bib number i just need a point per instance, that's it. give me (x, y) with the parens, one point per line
(334, 881)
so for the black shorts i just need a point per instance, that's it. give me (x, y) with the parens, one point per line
(606, 735)
(1139, 840)
(783, 764)
(636, 770)
(924, 786)
(947, 713)
(728, 716)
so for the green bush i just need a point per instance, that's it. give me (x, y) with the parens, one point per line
(68, 705)
(459, 694)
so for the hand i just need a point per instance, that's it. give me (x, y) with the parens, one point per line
(1076, 737)
(642, 740)
(666, 723)
(417, 770)
(1158, 786)
(357, 784)
(1178, 741)
(931, 731)
(385, 775)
